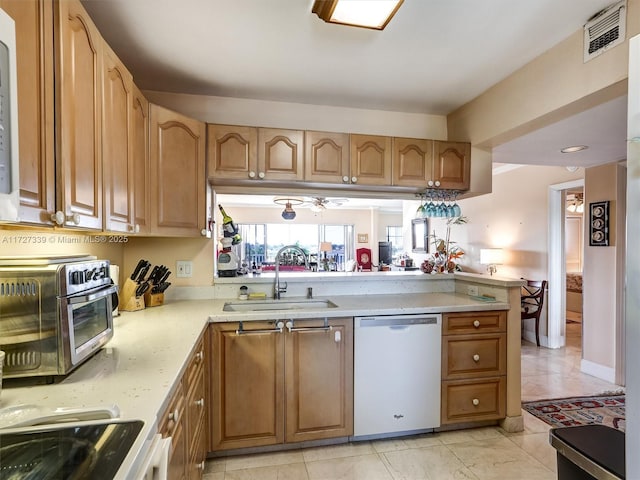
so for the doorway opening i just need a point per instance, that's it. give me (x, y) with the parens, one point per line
(557, 304)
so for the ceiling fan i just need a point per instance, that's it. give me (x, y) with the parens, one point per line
(319, 204)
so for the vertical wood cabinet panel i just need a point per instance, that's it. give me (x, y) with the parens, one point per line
(276, 376)
(452, 165)
(247, 386)
(178, 185)
(78, 114)
(232, 151)
(140, 157)
(370, 160)
(117, 145)
(280, 154)
(319, 401)
(326, 157)
(34, 44)
(412, 162)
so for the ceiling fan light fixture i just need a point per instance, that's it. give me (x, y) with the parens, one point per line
(373, 14)
(288, 213)
(317, 207)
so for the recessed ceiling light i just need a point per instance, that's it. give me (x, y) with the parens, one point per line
(358, 13)
(574, 149)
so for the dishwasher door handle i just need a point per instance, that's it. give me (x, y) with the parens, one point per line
(398, 327)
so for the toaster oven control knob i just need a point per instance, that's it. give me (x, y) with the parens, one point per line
(90, 274)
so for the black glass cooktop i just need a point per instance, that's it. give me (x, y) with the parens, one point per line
(67, 452)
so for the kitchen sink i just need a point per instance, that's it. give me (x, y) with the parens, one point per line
(261, 305)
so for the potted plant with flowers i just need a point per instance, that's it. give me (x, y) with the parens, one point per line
(447, 252)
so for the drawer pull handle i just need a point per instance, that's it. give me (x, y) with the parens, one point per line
(476, 323)
(476, 358)
(475, 402)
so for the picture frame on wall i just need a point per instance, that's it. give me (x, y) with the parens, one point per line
(420, 235)
(599, 224)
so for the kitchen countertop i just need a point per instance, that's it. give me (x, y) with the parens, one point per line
(138, 369)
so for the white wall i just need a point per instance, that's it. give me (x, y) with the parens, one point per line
(601, 273)
(260, 113)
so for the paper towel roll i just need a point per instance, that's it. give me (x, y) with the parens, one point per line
(114, 273)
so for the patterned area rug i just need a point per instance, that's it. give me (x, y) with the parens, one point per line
(564, 412)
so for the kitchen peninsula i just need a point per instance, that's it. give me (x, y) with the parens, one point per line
(151, 353)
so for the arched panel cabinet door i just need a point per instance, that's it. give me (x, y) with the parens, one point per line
(412, 162)
(280, 154)
(78, 47)
(178, 182)
(370, 160)
(452, 165)
(327, 157)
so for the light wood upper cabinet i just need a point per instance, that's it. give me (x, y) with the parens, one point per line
(326, 157)
(452, 165)
(412, 162)
(34, 43)
(117, 159)
(78, 46)
(232, 152)
(280, 154)
(370, 160)
(178, 184)
(140, 157)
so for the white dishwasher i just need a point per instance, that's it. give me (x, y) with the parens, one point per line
(396, 374)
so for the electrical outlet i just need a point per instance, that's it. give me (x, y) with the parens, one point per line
(472, 290)
(184, 268)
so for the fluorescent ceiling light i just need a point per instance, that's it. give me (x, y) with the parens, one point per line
(359, 13)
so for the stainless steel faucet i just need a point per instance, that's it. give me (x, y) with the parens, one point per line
(277, 288)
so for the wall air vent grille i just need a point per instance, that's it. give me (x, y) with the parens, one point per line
(605, 30)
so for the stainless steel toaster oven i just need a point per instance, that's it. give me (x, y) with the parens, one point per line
(55, 312)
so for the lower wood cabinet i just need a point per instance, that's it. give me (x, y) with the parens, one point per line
(474, 366)
(281, 382)
(185, 420)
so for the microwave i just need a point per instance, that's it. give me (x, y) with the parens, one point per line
(9, 158)
(56, 312)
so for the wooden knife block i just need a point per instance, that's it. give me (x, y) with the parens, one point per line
(128, 301)
(153, 299)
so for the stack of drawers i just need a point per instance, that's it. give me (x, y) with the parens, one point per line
(474, 366)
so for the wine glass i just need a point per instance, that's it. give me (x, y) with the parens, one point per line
(420, 211)
(457, 211)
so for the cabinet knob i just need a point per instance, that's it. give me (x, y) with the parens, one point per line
(252, 174)
(354, 179)
(174, 416)
(134, 228)
(437, 183)
(430, 183)
(60, 218)
(476, 358)
(200, 403)
(261, 175)
(476, 323)
(475, 402)
(204, 232)
(199, 356)
(201, 466)
(345, 179)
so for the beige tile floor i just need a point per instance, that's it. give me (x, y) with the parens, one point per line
(479, 454)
